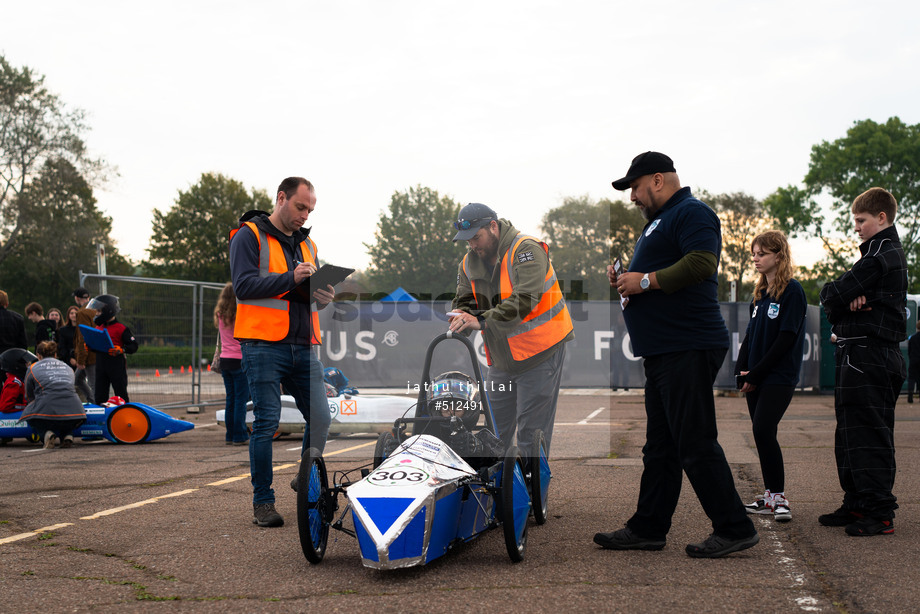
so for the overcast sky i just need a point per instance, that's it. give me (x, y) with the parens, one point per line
(514, 104)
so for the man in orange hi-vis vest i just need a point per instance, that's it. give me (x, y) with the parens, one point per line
(269, 256)
(506, 288)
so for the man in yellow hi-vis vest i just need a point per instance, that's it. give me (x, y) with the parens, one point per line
(506, 288)
(269, 256)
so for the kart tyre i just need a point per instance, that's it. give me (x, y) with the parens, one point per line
(540, 475)
(386, 444)
(128, 424)
(313, 513)
(514, 505)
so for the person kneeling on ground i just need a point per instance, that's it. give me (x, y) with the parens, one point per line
(54, 408)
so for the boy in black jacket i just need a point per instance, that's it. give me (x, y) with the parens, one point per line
(866, 307)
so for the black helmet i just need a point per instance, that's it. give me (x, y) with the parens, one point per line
(455, 394)
(106, 305)
(16, 361)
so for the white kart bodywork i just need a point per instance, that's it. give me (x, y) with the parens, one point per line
(360, 413)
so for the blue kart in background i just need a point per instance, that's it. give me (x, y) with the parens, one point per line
(426, 493)
(128, 423)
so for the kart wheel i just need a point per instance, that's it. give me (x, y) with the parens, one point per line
(538, 467)
(129, 424)
(313, 513)
(386, 444)
(515, 504)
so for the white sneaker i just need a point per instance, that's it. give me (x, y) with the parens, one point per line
(781, 511)
(50, 440)
(764, 505)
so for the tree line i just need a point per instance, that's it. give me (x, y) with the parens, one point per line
(50, 224)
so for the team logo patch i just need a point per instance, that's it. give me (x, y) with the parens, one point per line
(773, 311)
(652, 227)
(525, 257)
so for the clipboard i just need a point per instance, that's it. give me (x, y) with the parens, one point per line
(97, 340)
(328, 274)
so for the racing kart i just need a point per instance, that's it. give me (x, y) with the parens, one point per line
(128, 423)
(426, 493)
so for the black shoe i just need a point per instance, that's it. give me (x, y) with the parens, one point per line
(841, 517)
(714, 546)
(910, 399)
(625, 539)
(265, 515)
(867, 526)
(294, 483)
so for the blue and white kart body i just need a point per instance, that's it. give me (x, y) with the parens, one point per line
(414, 506)
(423, 496)
(127, 423)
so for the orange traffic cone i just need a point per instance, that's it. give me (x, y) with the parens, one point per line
(190, 369)
(181, 369)
(209, 367)
(137, 374)
(170, 370)
(158, 373)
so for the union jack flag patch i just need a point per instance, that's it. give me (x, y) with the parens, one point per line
(525, 257)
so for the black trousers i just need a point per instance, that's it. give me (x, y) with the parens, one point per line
(681, 435)
(767, 405)
(110, 370)
(869, 379)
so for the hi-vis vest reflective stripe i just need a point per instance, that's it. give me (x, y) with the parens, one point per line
(267, 318)
(549, 321)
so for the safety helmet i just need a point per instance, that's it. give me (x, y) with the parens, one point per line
(106, 305)
(455, 394)
(115, 400)
(17, 361)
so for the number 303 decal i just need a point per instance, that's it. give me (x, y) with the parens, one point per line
(390, 477)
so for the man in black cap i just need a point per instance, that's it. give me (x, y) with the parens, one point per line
(85, 375)
(675, 324)
(506, 288)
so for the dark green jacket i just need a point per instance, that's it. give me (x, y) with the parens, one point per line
(528, 273)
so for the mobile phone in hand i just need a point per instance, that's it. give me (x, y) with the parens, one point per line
(739, 382)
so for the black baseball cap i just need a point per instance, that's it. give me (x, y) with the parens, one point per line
(647, 163)
(81, 293)
(472, 217)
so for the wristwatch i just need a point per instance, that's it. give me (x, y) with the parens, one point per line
(644, 283)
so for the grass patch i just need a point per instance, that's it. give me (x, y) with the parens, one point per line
(75, 549)
(48, 535)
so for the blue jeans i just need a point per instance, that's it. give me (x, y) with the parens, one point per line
(268, 366)
(237, 388)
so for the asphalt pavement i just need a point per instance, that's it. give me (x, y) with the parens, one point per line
(102, 527)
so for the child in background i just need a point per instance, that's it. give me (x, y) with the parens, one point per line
(867, 308)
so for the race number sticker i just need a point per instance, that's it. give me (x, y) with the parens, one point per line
(398, 476)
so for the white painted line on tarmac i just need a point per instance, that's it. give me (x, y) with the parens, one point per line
(228, 480)
(204, 426)
(36, 532)
(789, 568)
(130, 506)
(343, 450)
(592, 415)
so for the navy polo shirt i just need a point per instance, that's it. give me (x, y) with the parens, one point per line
(689, 319)
(770, 317)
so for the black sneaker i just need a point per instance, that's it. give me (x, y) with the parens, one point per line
(265, 515)
(714, 546)
(625, 539)
(868, 526)
(840, 517)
